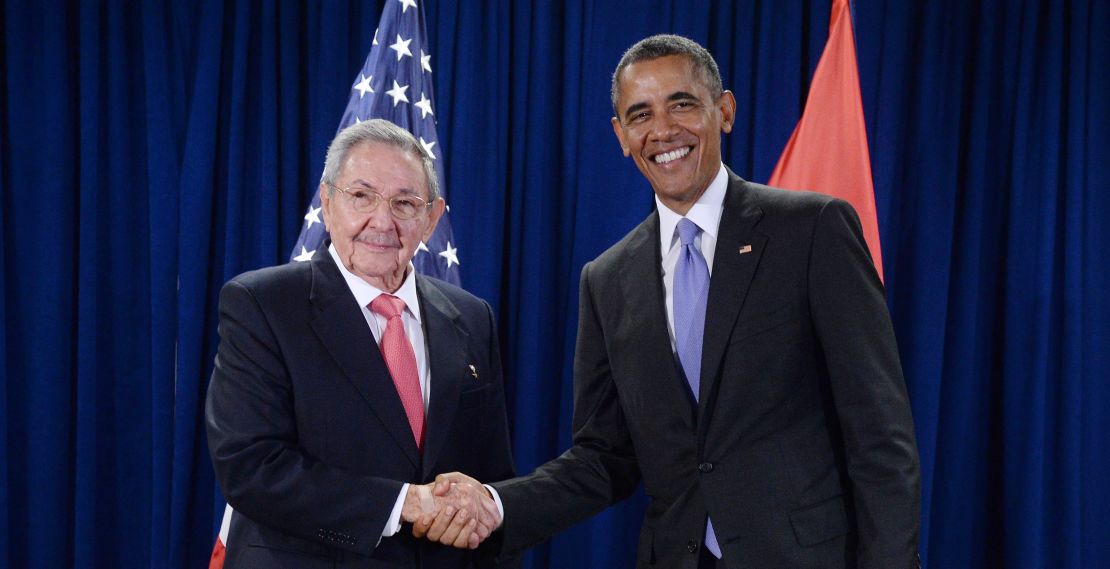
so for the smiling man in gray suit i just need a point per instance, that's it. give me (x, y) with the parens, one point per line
(735, 354)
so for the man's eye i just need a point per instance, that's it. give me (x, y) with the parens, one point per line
(404, 202)
(359, 195)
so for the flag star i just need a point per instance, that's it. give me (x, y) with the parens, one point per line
(375, 36)
(401, 46)
(363, 86)
(428, 146)
(422, 247)
(313, 216)
(306, 255)
(426, 61)
(425, 107)
(451, 254)
(405, 4)
(398, 93)
(358, 120)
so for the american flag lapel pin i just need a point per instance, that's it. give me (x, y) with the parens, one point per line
(473, 371)
(745, 249)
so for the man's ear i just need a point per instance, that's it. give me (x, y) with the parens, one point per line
(617, 130)
(325, 203)
(726, 103)
(436, 212)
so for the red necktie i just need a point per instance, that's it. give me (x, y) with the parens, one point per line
(401, 361)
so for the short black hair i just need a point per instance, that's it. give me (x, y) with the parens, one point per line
(663, 45)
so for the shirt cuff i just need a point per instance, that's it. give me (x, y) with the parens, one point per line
(393, 524)
(497, 500)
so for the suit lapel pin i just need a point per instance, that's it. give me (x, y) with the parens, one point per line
(473, 371)
(745, 249)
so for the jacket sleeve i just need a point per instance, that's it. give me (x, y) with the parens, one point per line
(598, 470)
(253, 441)
(853, 325)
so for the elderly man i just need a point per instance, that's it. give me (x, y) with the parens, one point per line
(343, 382)
(734, 353)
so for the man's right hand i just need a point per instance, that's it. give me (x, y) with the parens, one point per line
(419, 500)
(466, 513)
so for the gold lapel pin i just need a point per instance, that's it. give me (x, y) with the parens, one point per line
(745, 249)
(473, 371)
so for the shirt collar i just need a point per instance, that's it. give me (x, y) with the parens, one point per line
(706, 212)
(365, 293)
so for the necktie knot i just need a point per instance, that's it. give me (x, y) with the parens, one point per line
(687, 231)
(387, 305)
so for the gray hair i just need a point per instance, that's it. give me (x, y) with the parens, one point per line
(377, 131)
(663, 45)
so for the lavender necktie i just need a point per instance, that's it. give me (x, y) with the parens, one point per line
(691, 289)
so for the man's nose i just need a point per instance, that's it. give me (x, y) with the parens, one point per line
(380, 215)
(663, 127)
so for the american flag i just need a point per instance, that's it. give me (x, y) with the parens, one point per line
(395, 84)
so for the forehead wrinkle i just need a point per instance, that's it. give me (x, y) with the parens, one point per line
(362, 182)
(370, 186)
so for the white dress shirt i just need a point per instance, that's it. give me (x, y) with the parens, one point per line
(706, 213)
(365, 293)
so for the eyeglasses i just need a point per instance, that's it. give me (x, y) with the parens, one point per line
(364, 200)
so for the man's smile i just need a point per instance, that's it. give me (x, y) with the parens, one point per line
(668, 157)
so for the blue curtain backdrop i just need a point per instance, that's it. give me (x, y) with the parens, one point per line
(152, 150)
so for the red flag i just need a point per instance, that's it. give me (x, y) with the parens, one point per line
(218, 550)
(828, 151)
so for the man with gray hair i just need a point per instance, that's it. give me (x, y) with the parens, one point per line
(344, 384)
(735, 354)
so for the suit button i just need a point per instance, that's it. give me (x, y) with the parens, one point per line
(705, 467)
(692, 546)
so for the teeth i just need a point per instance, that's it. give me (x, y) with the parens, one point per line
(672, 155)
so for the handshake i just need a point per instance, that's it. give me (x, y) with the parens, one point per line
(455, 510)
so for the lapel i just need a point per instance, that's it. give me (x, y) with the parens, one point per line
(342, 329)
(446, 362)
(642, 287)
(732, 276)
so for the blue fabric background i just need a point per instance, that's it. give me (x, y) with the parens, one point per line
(152, 150)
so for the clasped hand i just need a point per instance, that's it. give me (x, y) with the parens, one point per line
(454, 510)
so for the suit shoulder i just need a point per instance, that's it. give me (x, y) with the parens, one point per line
(612, 258)
(264, 281)
(778, 200)
(791, 210)
(455, 294)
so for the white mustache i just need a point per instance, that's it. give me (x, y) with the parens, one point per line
(380, 239)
